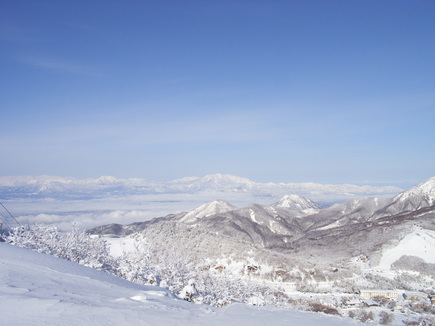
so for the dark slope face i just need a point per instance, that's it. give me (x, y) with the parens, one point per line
(234, 234)
(369, 209)
(364, 238)
(124, 230)
(262, 226)
(351, 212)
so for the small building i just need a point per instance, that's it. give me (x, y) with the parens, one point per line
(397, 295)
(373, 293)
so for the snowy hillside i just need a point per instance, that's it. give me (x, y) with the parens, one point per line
(418, 243)
(38, 289)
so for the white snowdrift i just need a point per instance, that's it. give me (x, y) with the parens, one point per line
(37, 289)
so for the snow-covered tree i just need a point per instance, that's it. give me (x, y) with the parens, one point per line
(75, 245)
(135, 265)
(189, 291)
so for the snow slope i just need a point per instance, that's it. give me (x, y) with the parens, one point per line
(37, 289)
(419, 243)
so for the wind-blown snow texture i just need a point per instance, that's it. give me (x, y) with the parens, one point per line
(37, 289)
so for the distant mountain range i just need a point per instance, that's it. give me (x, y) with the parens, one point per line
(293, 232)
(58, 187)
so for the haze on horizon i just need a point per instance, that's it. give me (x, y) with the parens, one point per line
(282, 91)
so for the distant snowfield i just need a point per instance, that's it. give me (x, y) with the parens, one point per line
(37, 289)
(419, 243)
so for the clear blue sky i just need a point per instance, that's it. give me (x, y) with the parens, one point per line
(282, 91)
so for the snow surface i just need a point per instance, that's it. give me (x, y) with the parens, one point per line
(419, 243)
(37, 289)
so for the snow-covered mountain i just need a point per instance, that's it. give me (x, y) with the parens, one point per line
(294, 231)
(208, 209)
(294, 214)
(419, 196)
(354, 211)
(368, 209)
(296, 202)
(213, 182)
(58, 187)
(302, 205)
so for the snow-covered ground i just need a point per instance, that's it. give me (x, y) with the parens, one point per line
(37, 289)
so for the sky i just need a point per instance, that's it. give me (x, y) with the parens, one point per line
(280, 91)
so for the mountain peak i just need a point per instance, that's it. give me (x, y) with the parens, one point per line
(424, 191)
(208, 209)
(296, 202)
(106, 179)
(425, 188)
(219, 178)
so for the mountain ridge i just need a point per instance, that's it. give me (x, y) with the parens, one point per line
(283, 236)
(59, 187)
